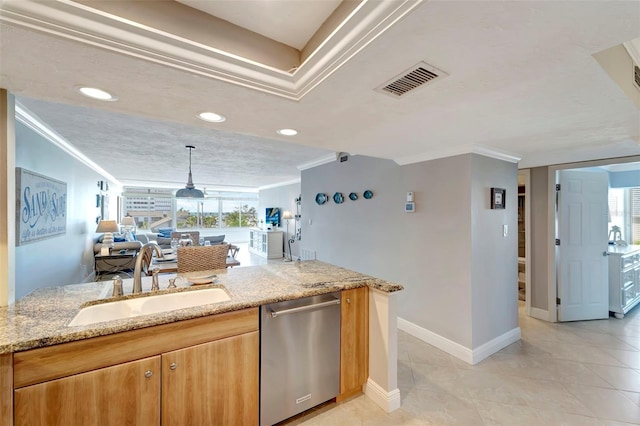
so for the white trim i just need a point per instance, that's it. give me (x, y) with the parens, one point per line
(277, 185)
(494, 345)
(453, 151)
(461, 352)
(319, 161)
(82, 23)
(541, 314)
(30, 120)
(551, 217)
(442, 343)
(388, 401)
(527, 238)
(552, 290)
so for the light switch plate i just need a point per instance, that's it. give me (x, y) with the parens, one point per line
(505, 230)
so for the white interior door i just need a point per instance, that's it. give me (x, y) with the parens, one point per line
(583, 268)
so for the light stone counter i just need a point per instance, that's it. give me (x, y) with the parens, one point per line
(40, 319)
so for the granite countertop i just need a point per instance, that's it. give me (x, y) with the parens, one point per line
(40, 318)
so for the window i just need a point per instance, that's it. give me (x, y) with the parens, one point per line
(148, 211)
(635, 215)
(624, 212)
(239, 213)
(158, 208)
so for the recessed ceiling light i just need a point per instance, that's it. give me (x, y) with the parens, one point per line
(211, 117)
(96, 93)
(287, 132)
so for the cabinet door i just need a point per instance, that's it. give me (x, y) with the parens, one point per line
(354, 341)
(264, 245)
(119, 395)
(214, 383)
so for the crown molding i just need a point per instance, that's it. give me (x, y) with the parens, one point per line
(319, 161)
(450, 152)
(277, 185)
(496, 153)
(71, 20)
(34, 123)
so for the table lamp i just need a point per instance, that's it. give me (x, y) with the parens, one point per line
(108, 227)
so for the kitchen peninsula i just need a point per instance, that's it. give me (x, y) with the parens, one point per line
(36, 329)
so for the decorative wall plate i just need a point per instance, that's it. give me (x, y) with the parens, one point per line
(353, 196)
(367, 194)
(338, 198)
(321, 198)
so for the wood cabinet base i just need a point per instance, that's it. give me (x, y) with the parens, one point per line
(354, 341)
(119, 395)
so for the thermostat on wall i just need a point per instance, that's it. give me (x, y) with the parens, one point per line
(409, 207)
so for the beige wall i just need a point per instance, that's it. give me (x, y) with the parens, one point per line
(7, 198)
(459, 273)
(539, 237)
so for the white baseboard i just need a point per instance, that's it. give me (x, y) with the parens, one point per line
(470, 356)
(388, 401)
(442, 343)
(494, 345)
(540, 313)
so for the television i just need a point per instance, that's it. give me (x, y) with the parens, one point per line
(272, 216)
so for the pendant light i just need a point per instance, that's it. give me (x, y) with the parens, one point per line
(189, 191)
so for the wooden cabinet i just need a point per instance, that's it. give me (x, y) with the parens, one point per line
(354, 341)
(205, 370)
(119, 395)
(201, 384)
(624, 279)
(266, 243)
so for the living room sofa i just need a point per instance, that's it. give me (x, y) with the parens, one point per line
(165, 242)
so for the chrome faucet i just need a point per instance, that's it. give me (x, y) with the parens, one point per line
(137, 272)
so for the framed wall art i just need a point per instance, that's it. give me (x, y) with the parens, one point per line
(41, 207)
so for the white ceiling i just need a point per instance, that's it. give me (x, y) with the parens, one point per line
(521, 80)
(287, 21)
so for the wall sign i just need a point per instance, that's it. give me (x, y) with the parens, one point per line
(41, 207)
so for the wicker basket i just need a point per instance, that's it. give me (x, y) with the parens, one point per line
(202, 258)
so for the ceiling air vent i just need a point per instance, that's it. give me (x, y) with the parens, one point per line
(417, 76)
(636, 76)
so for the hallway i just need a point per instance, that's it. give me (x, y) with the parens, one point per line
(582, 373)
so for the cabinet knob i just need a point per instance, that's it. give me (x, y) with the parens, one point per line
(173, 366)
(348, 300)
(148, 374)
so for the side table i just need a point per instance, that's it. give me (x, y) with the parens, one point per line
(115, 262)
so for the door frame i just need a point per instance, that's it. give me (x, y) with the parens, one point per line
(527, 238)
(552, 177)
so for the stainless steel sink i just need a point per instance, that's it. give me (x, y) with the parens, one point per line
(148, 305)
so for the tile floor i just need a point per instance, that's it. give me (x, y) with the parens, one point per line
(582, 373)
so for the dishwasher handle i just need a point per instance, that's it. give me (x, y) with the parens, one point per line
(275, 314)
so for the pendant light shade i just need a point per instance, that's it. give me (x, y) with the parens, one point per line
(189, 191)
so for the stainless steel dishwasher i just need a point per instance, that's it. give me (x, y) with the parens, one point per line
(299, 355)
